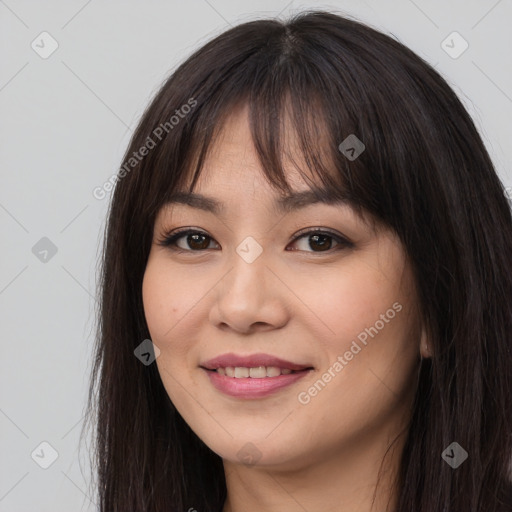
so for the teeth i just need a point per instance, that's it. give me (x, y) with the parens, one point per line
(260, 372)
(272, 371)
(241, 372)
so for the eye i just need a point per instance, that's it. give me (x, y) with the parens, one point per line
(187, 240)
(319, 240)
(316, 240)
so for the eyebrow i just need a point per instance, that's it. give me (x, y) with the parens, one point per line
(289, 203)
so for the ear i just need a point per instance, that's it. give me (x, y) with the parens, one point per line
(425, 348)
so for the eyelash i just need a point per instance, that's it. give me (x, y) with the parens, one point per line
(170, 240)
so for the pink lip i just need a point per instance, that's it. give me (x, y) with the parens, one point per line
(248, 388)
(252, 361)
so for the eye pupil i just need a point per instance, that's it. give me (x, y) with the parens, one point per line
(324, 242)
(196, 238)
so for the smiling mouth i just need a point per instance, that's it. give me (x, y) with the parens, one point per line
(258, 372)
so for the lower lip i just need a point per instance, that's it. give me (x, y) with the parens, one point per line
(247, 387)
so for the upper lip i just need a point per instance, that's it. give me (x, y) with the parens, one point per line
(251, 361)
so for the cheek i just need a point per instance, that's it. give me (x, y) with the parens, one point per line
(169, 299)
(168, 305)
(366, 317)
(159, 308)
(346, 302)
(175, 308)
(370, 355)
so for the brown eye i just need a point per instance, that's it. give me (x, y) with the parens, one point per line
(197, 241)
(187, 240)
(320, 241)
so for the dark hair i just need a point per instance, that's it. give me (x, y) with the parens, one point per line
(425, 173)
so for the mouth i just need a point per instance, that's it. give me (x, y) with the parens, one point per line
(255, 365)
(255, 376)
(257, 372)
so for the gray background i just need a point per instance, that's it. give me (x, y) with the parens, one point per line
(65, 121)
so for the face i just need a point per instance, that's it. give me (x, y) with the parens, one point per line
(316, 287)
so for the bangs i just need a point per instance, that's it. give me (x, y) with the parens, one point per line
(309, 98)
(284, 134)
(298, 115)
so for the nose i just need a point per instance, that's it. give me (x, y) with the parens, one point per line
(250, 298)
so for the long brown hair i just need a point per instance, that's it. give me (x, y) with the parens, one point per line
(424, 172)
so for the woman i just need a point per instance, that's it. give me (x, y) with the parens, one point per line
(306, 287)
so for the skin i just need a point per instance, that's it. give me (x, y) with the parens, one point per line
(298, 303)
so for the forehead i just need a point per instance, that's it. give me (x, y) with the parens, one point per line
(232, 155)
(233, 169)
